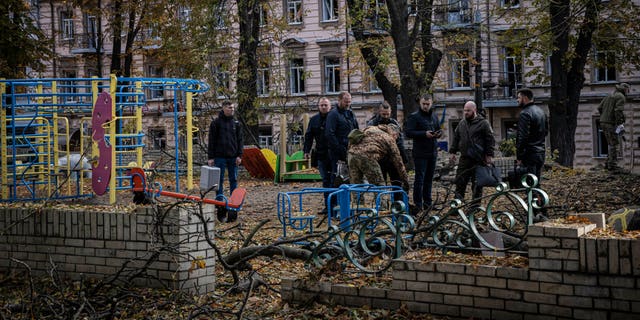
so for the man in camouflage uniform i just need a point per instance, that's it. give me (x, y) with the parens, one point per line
(612, 119)
(374, 144)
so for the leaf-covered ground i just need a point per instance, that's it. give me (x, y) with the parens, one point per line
(570, 191)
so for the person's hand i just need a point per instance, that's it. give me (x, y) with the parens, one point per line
(306, 156)
(518, 162)
(430, 135)
(238, 160)
(620, 129)
(210, 162)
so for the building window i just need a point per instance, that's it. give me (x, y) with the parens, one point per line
(547, 67)
(412, 7)
(377, 14)
(157, 137)
(265, 137)
(91, 32)
(219, 20)
(296, 76)
(372, 84)
(262, 81)
(66, 25)
(66, 87)
(510, 3)
(222, 84)
(331, 75)
(600, 143)
(264, 16)
(512, 78)
(509, 129)
(156, 89)
(605, 61)
(329, 10)
(185, 14)
(294, 11)
(296, 136)
(460, 77)
(459, 11)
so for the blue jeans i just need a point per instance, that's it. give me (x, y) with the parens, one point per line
(425, 168)
(230, 165)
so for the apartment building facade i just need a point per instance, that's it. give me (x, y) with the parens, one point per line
(314, 57)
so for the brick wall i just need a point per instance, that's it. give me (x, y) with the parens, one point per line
(569, 277)
(97, 245)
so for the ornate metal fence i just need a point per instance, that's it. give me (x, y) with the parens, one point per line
(372, 243)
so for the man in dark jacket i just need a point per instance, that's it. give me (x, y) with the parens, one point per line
(532, 131)
(315, 132)
(423, 127)
(225, 145)
(473, 138)
(612, 119)
(340, 122)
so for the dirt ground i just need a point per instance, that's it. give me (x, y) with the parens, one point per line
(569, 190)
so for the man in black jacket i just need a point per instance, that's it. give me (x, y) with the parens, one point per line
(424, 128)
(532, 131)
(225, 145)
(315, 132)
(474, 140)
(340, 122)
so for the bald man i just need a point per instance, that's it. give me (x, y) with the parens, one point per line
(472, 130)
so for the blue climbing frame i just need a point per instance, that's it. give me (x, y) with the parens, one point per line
(37, 116)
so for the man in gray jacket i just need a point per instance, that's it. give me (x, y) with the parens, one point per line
(611, 111)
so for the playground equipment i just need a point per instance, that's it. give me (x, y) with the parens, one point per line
(352, 206)
(294, 167)
(227, 208)
(261, 163)
(37, 116)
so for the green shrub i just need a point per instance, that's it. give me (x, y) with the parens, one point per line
(507, 147)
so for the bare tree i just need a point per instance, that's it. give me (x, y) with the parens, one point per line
(416, 58)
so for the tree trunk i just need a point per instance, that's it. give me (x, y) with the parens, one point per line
(128, 48)
(565, 90)
(116, 27)
(249, 25)
(558, 101)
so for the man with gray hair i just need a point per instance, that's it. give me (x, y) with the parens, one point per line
(612, 119)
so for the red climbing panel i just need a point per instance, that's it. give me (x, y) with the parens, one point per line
(257, 164)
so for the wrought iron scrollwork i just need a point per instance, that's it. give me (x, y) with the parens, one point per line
(508, 213)
(370, 243)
